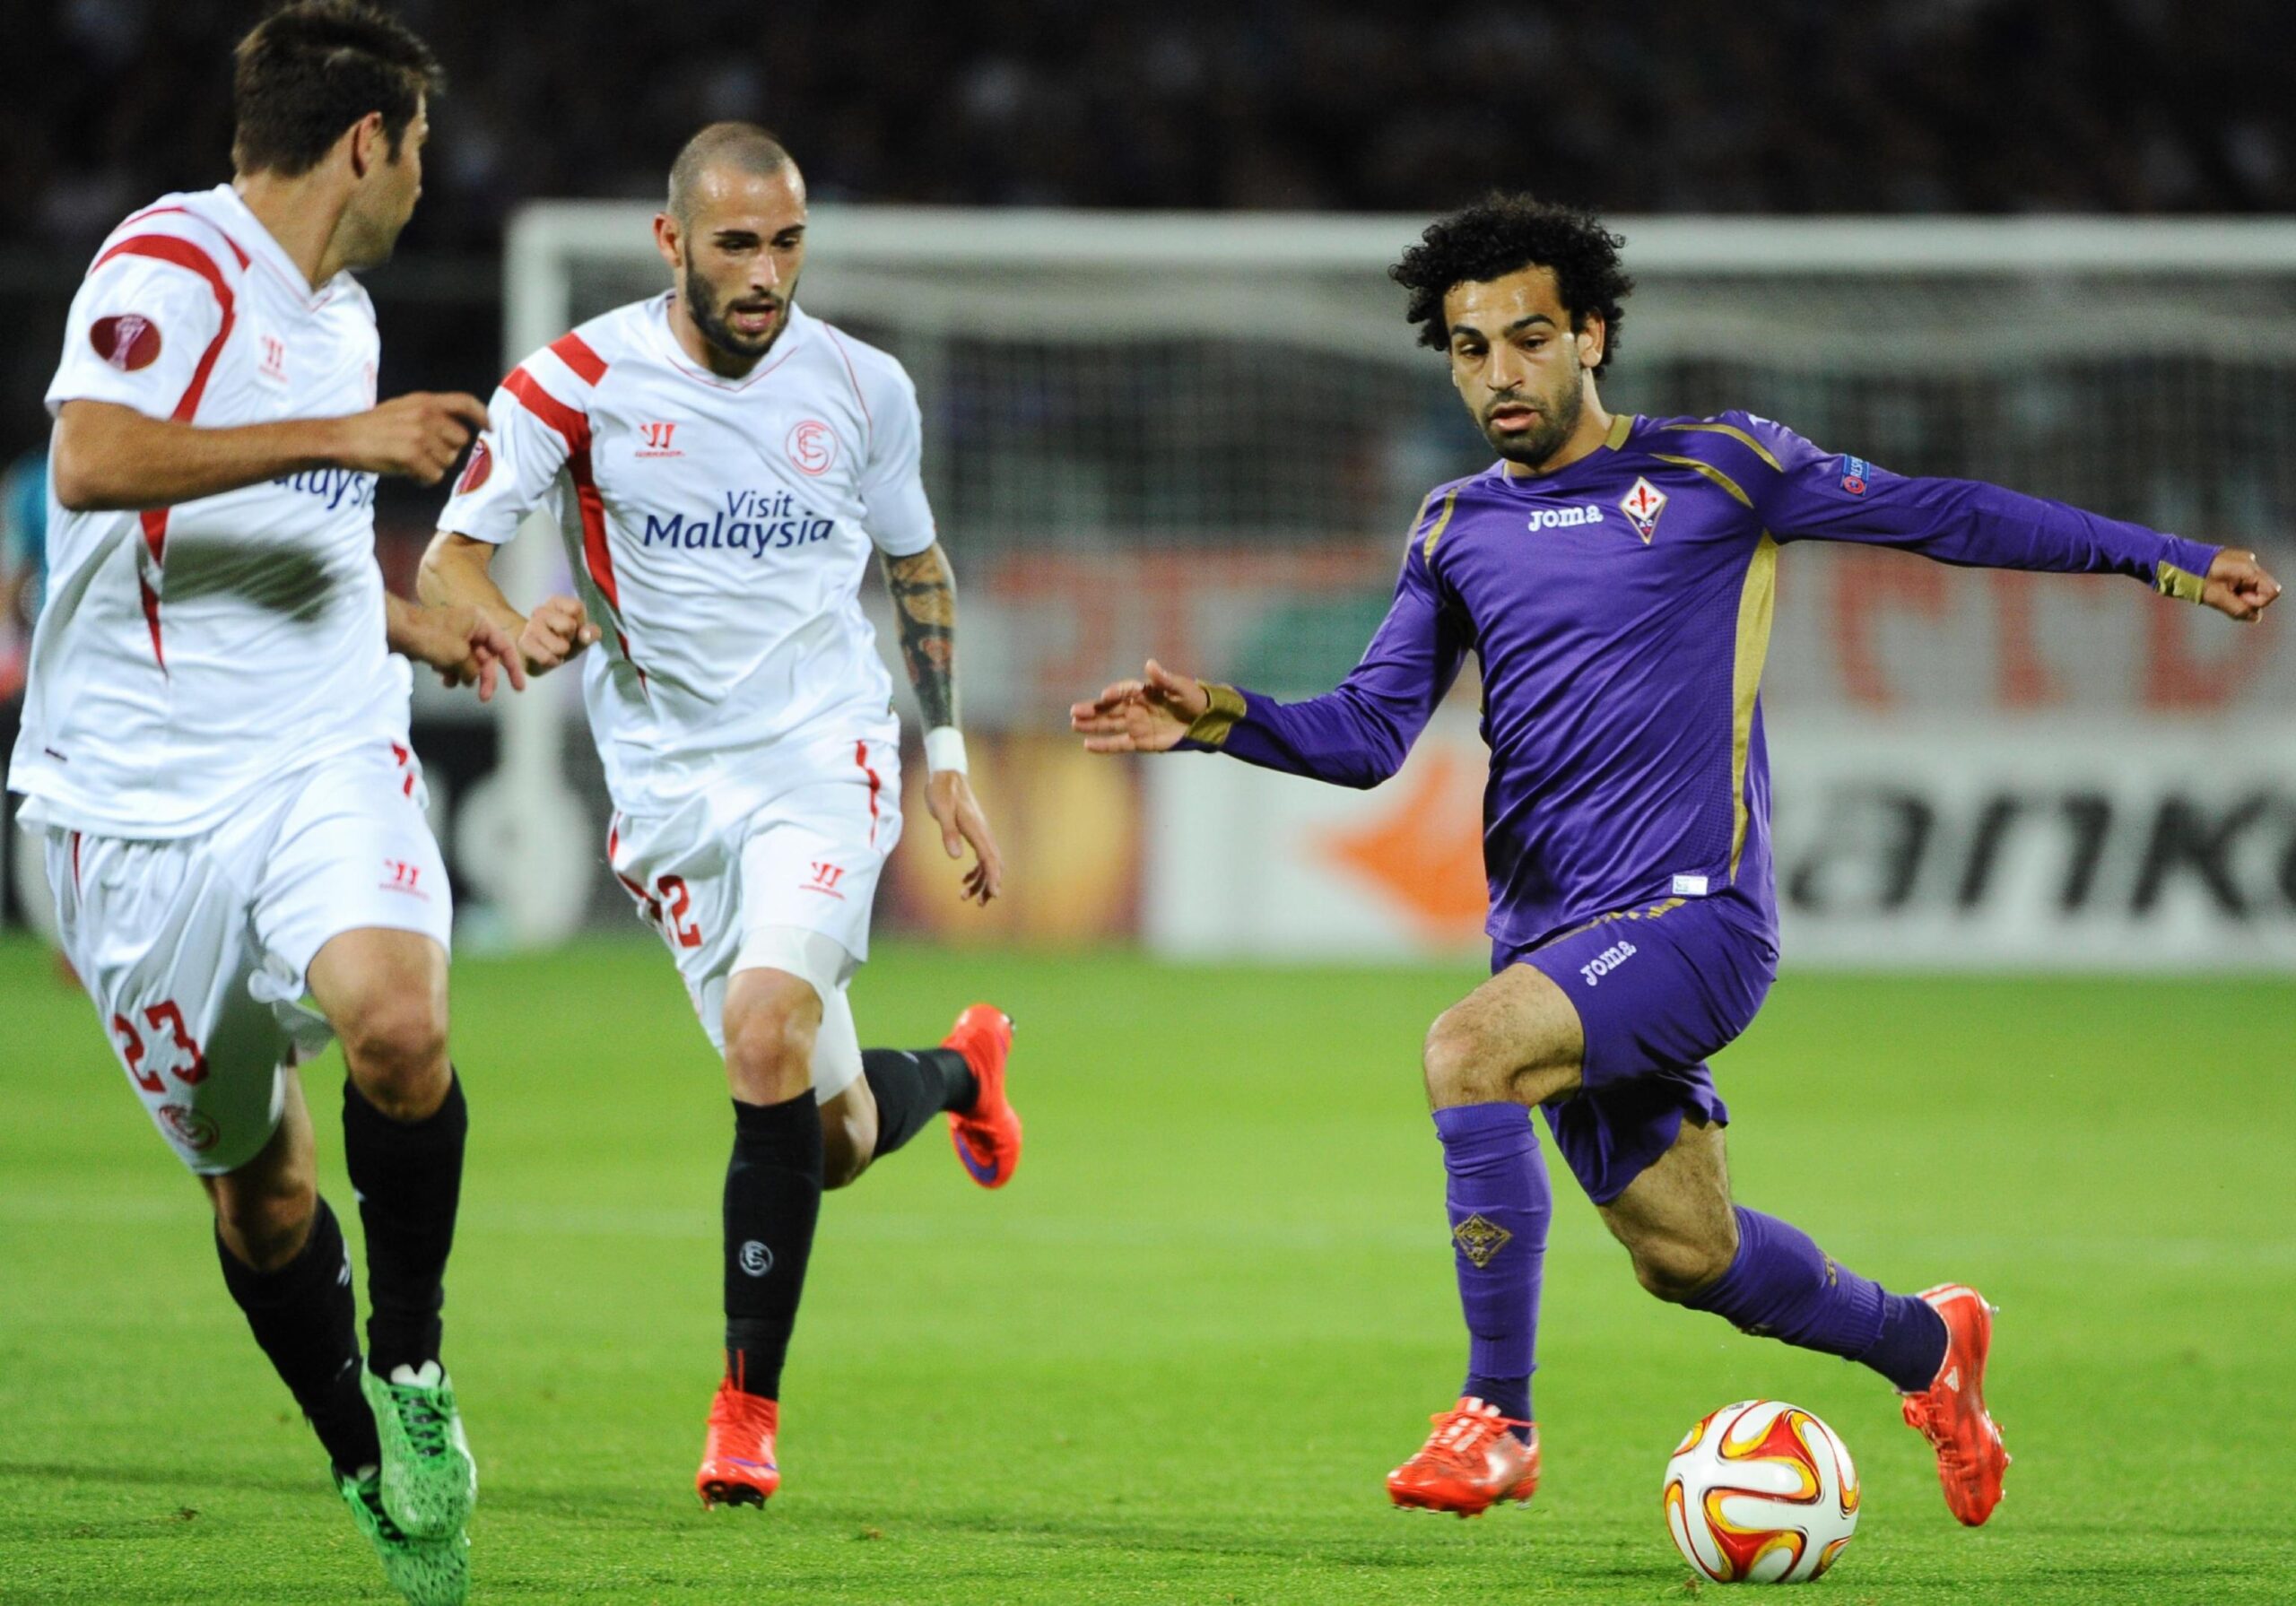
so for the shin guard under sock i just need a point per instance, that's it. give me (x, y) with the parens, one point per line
(305, 1319)
(773, 1199)
(912, 1086)
(1782, 1285)
(1499, 1201)
(408, 1176)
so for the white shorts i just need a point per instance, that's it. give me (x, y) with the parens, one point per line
(194, 948)
(787, 886)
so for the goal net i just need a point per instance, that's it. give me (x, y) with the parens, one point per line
(1203, 436)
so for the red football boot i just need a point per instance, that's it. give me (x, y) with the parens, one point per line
(737, 1463)
(988, 1136)
(1951, 1411)
(1468, 1463)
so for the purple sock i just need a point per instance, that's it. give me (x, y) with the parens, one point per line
(1783, 1286)
(1499, 1203)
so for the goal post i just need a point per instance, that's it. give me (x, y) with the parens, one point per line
(1226, 418)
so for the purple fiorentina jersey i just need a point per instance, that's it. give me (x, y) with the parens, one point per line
(1621, 608)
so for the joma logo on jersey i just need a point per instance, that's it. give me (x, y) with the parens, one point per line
(1606, 961)
(756, 522)
(1563, 518)
(333, 486)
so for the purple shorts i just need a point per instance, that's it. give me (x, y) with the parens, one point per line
(1658, 989)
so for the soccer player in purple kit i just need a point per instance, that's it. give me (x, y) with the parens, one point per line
(1613, 575)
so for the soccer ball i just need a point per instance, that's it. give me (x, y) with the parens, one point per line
(1760, 1492)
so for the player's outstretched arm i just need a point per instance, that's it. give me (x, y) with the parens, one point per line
(462, 644)
(458, 572)
(108, 457)
(925, 610)
(1356, 735)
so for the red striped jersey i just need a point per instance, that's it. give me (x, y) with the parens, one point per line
(720, 531)
(186, 657)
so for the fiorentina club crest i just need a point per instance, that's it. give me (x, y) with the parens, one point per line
(1642, 505)
(1479, 1239)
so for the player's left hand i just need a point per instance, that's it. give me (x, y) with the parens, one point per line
(957, 813)
(463, 646)
(2239, 587)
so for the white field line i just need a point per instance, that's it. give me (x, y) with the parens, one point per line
(656, 1224)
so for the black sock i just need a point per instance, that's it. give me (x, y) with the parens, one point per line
(305, 1319)
(408, 1176)
(912, 1086)
(773, 1198)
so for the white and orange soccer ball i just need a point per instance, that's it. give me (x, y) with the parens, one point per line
(1760, 1492)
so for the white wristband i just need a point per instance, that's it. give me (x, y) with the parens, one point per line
(945, 749)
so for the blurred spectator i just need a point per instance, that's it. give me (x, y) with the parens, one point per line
(23, 561)
(1791, 106)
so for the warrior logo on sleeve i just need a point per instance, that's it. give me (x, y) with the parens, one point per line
(128, 342)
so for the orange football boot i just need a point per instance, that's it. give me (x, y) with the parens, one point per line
(1469, 1462)
(988, 1136)
(1951, 1413)
(737, 1465)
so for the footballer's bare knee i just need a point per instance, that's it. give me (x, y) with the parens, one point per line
(1678, 1269)
(772, 1020)
(1675, 1219)
(385, 995)
(396, 1045)
(1514, 1039)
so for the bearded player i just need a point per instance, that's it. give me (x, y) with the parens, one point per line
(1613, 575)
(721, 466)
(215, 741)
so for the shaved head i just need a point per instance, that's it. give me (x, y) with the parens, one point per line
(741, 147)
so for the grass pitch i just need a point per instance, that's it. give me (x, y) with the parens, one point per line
(1172, 1361)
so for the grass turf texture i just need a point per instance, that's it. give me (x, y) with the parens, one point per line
(1174, 1359)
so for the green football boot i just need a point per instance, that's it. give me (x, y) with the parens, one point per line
(428, 1479)
(429, 1572)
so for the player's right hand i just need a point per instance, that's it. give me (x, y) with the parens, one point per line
(2239, 587)
(558, 628)
(1146, 716)
(418, 435)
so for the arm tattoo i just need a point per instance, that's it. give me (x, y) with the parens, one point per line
(924, 605)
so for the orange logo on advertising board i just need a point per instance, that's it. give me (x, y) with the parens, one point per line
(1424, 852)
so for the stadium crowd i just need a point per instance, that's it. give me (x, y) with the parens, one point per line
(1786, 106)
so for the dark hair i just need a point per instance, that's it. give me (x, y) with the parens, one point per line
(1502, 234)
(308, 71)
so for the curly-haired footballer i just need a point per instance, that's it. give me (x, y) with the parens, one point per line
(1613, 575)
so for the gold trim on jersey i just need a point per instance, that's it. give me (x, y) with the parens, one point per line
(1621, 426)
(1442, 523)
(1212, 727)
(2182, 584)
(1755, 602)
(1736, 433)
(1711, 472)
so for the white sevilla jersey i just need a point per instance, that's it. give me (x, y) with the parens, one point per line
(720, 530)
(186, 657)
